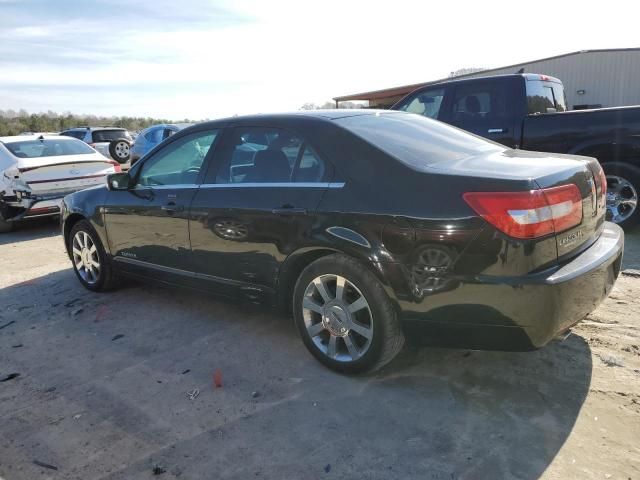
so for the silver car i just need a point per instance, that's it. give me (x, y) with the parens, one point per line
(112, 142)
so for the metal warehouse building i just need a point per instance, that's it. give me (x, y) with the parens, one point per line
(592, 78)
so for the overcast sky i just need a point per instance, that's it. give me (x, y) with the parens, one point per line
(207, 59)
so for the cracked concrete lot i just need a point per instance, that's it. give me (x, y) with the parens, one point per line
(123, 386)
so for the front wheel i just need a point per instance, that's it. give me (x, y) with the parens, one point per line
(623, 185)
(90, 262)
(344, 316)
(5, 227)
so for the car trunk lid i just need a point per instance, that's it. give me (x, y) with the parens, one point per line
(516, 170)
(60, 175)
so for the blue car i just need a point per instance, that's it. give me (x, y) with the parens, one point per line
(152, 136)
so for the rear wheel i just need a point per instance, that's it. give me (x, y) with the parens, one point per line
(345, 317)
(623, 186)
(90, 262)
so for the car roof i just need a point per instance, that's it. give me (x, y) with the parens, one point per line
(23, 138)
(92, 129)
(321, 115)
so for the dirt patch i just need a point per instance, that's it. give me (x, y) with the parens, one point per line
(107, 390)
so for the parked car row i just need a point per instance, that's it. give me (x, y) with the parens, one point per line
(37, 171)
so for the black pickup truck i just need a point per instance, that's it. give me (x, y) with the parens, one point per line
(529, 111)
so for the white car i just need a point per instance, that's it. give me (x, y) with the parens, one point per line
(36, 172)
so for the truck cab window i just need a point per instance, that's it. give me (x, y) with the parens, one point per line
(544, 98)
(426, 103)
(478, 101)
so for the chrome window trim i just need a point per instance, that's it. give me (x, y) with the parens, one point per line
(165, 187)
(275, 185)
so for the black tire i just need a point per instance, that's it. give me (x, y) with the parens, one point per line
(106, 278)
(5, 227)
(120, 150)
(615, 171)
(387, 337)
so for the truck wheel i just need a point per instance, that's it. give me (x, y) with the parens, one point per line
(623, 185)
(5, 227)
(344, 316)
(120, 150)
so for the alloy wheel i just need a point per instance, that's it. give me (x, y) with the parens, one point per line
(122, 150)
(337, 317)
(622, 198)
(85, 257)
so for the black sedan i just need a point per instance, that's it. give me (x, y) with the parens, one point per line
(368, 225)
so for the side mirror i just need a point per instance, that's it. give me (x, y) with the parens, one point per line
(119, 181)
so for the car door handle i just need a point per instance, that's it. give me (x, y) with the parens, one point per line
(172, 208)
(498, 130)
(289, 210)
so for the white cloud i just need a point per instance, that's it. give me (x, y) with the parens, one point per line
(288, 53)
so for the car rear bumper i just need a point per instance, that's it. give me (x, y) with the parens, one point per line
(516, 313)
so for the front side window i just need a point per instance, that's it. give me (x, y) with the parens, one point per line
(268, 155)
(49, 148)
(426, 103)
(178, 163)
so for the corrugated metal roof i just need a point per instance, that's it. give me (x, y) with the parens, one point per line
(405, 89)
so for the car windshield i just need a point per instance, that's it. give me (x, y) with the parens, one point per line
(48, 147)
(417, 141)
(109, 135)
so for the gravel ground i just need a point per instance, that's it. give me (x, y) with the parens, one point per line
(103, 385)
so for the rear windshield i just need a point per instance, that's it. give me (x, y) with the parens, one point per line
(48, 148)
(417, 141)
(109, 135)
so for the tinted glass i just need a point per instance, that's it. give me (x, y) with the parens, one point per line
(559, 97)
(479, 100)
(109, 135)
(259, 155)
(154, 135)
(415, 140)
(540, 98)
(311, 167)
(426, 103)
(48, 148)
(79, 134)
(178, 163)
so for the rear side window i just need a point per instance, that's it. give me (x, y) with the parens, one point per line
(109, 135)
(48, 148)
(545, 97)
(154, 135)
(416, 141)
(268, 155)
(479, 100)
(79, 134)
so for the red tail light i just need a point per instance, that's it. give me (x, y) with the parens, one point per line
(603, 185)
(530, 214)
(116, 166)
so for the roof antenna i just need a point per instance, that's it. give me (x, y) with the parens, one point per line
(521, 70)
